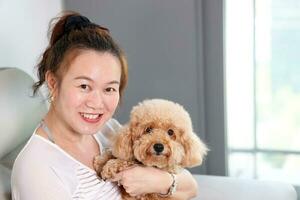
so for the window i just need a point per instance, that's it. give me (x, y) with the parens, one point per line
(262, 40)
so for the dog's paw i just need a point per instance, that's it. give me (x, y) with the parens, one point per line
(100, 161)
(114, 166)
(109, 170)
(98, 164)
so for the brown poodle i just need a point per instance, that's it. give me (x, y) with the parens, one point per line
(159, 134)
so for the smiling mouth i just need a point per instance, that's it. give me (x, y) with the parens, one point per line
(91, 117)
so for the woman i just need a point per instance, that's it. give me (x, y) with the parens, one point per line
(86, 73)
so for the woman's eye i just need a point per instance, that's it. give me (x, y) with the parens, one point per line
(84, 86)
(170, 132)
(110, 89)
(148, 130)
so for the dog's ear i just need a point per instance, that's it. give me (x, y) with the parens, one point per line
(122, 145)
(195, 150)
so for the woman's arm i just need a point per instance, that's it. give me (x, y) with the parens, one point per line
(143, 180)
(187, 186)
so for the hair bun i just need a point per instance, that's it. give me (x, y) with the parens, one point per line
(76, 22)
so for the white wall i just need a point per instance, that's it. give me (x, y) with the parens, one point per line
(23, 31)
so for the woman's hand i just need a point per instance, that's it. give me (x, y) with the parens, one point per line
(140, 180)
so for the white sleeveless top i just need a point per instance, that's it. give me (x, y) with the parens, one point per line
(43, 170)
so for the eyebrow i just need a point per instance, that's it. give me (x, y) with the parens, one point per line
(89, 79)
(83, 77)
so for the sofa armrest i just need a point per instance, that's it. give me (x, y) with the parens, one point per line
(4, 183)
(228, 188)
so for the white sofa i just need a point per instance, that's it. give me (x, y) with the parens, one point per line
(20, 114)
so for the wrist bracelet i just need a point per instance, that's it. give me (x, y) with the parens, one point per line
(172, 188)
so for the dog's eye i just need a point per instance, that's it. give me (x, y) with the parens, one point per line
(148, 130)
(170, 132)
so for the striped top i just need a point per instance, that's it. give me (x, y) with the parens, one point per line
(91, 187)
(43, 170)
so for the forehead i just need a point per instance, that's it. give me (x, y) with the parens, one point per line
(91, 63)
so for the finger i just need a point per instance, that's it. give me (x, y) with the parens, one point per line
(136, 195)
(132, 192)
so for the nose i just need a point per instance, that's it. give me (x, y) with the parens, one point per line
(95, 100)
(158, 147)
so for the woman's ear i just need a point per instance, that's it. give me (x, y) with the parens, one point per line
(122, 144)
(52, 83)
(195, 150)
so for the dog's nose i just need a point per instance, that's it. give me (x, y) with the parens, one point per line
(158, 147)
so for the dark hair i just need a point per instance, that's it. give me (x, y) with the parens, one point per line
(71, 32)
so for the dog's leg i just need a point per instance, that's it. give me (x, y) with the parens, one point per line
(114, 166)
(100, 161)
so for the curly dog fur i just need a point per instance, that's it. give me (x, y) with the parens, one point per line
(159, 134)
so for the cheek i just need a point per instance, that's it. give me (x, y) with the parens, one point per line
(71, 99)
(112, 102)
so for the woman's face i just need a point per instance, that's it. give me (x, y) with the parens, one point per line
(88, 94)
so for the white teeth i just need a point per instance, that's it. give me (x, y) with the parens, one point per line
(90, 116)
